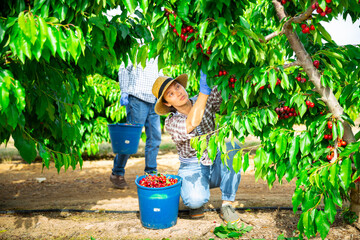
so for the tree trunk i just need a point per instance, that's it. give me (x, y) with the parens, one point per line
(327, 96)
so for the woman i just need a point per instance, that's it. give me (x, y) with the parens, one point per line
(190, 118)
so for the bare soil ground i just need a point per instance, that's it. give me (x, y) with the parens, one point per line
(29, 187)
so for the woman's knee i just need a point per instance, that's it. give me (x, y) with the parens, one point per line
(195, 200)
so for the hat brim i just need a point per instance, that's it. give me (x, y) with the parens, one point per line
(160, 107)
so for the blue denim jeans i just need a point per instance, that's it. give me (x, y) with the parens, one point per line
(140, 112)
(197, 180)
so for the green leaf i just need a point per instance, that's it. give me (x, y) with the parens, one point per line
(51, 41)
(246, 93)
(2, 31)
(4, 97)
(222, 27)
(285, 81)
(322, 224)
(297, 199)
(340, 129)
(334, 131)
(130, 5)
(24, 145)
(248, 126)
(294, 149)
(183, 10)
(272, 79)
(350, 148)
(229, 54)
(330, 209)
(345, 172)
(203, 26)
(324, 33)
(246, 161)
(237, 161)
(281, 144)
(305, 143)
(348, 119)
(44, 155)
(212, 148)
(271, 177)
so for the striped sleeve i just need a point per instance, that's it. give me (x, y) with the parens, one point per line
(215, 99)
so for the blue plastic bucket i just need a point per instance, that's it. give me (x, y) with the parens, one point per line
(125, 137)
(159, 207)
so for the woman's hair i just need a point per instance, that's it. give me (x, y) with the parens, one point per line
(171, 109)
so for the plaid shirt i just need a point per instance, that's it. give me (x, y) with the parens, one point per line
(137, 81)
(175, 125)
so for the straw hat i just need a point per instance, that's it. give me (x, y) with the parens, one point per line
(159, 88)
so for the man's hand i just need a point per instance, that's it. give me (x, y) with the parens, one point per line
(124, 100)
(204, 88)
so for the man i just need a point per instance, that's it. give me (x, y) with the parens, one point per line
(136, 84)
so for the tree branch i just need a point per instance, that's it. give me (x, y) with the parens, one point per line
(296, 63)
(307, 14)
(314, 75)
(271, 35)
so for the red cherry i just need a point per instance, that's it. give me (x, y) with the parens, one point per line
(191, 30)
(183, 30)
(224, 72)
(303, 25)
(316, 63)
(312, 27)
(232, 85)
(328, 1)
(306, 30)
(262, 87)
(313, 6)
(188, 28)
(319, 10)
(343, 143)
(308, 102)
(232, 79)
(220, 73)
(328, 11)
(323, 14)
(329, 157)
(312, 105)
(330, 125)
(283, 2)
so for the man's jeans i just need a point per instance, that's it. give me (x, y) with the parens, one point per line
(197, 180)
(140, 112)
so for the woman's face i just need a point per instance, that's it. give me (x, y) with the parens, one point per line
(175, 95)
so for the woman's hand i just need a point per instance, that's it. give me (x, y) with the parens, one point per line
(204, 88)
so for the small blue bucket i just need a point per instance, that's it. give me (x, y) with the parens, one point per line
(125, 137)
(159, 207)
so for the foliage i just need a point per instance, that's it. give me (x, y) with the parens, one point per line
(231, 230)
(53, 101)
(349, 216)
(230, 36)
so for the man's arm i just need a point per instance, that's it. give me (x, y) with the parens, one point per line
(196, 113)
